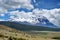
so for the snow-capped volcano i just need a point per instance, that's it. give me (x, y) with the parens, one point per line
(42, 21)
(37, 17)
(39, 21)
(43, 17)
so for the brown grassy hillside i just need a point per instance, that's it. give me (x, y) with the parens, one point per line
(7, 33)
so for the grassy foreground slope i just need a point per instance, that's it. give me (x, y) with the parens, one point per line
(7, 33)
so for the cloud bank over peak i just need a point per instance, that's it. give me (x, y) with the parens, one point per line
(23, 16)
(52, 15)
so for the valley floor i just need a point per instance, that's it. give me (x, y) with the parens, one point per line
(12, 34)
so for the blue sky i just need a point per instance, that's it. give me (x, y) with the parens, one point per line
(30, 10)
(47, 4)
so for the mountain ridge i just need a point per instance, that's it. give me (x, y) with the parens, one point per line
(24, 27)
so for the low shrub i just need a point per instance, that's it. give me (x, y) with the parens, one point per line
(21, 39)
(56, 38)
(1, 35)
(13, 38)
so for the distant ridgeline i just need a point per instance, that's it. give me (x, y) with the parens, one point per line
(25, 27)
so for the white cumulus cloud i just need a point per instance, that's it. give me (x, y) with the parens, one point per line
(13, 4)
(6, 5)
